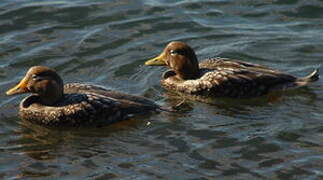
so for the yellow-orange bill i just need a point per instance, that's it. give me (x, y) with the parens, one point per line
(157, 61)
(19, 89)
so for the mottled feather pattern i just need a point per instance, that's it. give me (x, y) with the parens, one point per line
(74, 110)
(79, 87)
(134, 103)
(221, 77)
(212, 63)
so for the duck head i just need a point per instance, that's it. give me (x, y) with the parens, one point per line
(180, 57)
(44, 82)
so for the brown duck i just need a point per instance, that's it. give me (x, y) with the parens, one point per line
(221, 77)
(53, 104)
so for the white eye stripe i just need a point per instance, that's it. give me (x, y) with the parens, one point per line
(173, 52)
(34, 77)
(177, 52)
(37, 78)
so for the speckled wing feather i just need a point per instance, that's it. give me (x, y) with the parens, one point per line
(73, 110)
(81, 88)
(134, 104)
(213, 63)
(231, 79)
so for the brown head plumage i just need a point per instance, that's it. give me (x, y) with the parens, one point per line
(180, 57)
(42, 81)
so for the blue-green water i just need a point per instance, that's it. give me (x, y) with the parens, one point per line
(106, 43)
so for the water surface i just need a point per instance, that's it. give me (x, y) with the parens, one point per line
(106, 43)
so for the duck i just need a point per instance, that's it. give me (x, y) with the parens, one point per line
(53, 104)
(221, 77)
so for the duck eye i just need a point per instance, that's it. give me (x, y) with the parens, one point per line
(177, 52)
(35, 77)
(173, 52)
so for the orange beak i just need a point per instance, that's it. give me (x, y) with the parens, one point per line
(157, 61)
(19, 89)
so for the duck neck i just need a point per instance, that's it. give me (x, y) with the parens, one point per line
(52, 94)
(189, 73)
(189, 69)
(50, 100)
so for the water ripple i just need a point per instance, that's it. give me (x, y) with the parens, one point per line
(107, 42)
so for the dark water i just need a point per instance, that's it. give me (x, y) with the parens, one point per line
(106, 42)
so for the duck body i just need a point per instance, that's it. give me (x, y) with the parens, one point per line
(77, 104)
(86, 109)
(221, 77)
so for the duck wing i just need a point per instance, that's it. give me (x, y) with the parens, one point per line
(133, 103)
(260, 73)
(213, 63)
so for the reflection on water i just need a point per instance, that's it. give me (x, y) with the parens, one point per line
(106, 42)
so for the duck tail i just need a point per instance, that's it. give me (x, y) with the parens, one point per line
(314, 76)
